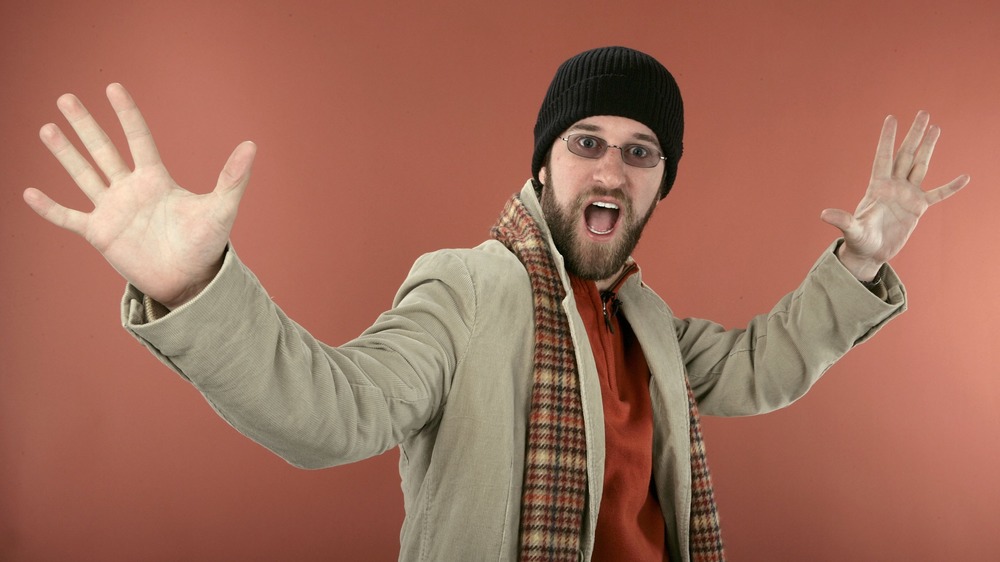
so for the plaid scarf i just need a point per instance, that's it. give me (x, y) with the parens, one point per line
(555, 482)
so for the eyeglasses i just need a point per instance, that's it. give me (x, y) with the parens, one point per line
(589, 146)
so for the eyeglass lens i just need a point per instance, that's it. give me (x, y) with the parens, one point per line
(589, 146)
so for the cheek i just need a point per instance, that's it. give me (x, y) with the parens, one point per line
(569, 173)
(562, 183)
(649, 193)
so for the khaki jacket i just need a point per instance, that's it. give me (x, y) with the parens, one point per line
(445, 376)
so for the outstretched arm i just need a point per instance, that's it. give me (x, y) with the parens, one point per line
(894, 202)
(163, 239)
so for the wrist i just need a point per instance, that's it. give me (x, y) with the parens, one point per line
(191, 292)
(863, 269)
(195, 287)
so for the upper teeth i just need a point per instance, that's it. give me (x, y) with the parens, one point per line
(605, 204)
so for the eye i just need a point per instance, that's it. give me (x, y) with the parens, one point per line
(639, 152)
(588, 142)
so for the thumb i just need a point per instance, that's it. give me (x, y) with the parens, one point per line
(838, 218)
(235, 175)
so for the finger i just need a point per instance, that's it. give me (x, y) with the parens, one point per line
(908, 148)
(882, 168)
(235, 175)
(71, 220)
(939, 194)
(923, 157)
(86, 178)
(94, 139)
(140, 140)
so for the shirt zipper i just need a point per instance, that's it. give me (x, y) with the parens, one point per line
(609, 298)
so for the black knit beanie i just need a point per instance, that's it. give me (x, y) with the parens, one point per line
(613, 81)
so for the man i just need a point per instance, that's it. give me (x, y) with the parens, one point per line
(544, 400)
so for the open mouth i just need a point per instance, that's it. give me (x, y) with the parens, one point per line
(601, 217)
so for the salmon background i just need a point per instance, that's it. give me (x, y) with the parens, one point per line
(389, 129)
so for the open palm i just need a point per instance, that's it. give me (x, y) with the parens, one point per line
(163, 239)
(894, 201)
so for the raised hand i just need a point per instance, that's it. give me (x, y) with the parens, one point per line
(163, 239)
(894, 202)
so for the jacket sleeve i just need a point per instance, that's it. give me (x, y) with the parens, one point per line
(312, 404)
(779, 356)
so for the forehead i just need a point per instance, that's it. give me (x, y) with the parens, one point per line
(614, 127)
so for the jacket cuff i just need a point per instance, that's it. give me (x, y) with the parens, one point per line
(174, 333)
(854, 299)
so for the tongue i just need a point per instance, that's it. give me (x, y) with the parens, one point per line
(600, 220)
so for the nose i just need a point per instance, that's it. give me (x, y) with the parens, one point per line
(610, 168)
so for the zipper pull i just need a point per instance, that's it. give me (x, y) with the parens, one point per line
(609, 298)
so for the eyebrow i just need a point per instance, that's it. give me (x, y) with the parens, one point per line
(595, 129)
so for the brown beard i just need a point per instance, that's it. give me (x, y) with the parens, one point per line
(585, 259)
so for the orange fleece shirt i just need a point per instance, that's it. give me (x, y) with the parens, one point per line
(630, 524)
